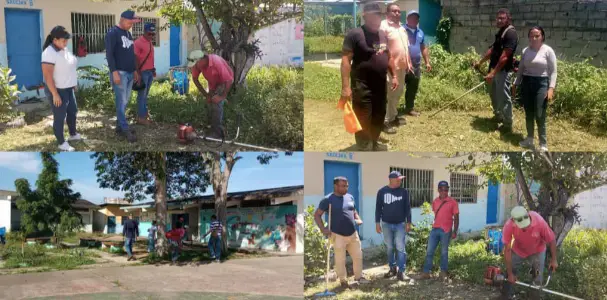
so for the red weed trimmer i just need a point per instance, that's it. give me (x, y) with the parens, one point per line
(495, 277)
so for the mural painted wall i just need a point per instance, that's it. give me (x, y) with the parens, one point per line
(267, 228)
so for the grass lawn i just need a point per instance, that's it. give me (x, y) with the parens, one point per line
(42, 258)
(465, 127)
(168, 295)
(322, 44)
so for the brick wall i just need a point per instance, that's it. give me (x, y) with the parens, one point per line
(575, 29)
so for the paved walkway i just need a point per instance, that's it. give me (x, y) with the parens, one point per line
(253, 278)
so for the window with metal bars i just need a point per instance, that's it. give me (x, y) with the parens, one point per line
(138, 29)
(464, 187)
(419, 184)
(93, 28)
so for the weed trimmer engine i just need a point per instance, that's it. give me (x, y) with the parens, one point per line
(494, 276)
(186, 134)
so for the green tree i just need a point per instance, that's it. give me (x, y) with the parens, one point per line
(156, 174)
(560, 176)
(49, 207)
(239, 21)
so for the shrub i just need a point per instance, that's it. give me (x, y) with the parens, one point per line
(417, 243)
(443, 32)
(315, 251)
(8, 91)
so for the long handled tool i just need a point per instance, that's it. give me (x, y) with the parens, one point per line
(326, 293)
(462, 96)
(493, 276)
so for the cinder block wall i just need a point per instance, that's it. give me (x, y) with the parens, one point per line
(575, 29)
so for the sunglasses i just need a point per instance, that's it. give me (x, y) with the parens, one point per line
(443, 190)
(192, 60)
(521, 218)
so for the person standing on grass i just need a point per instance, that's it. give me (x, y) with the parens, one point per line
(537, 73)
(444, 228)
(365, 63)
(531, 233)
(398, 45)
(342, 233)
(144, 52)
(130, 231)
(417, 50)
(393, 218)
(501, 56)
(215, 240)
(120, 55)
(59, 67)
(175, 237)
(152, 236)
(220, 77)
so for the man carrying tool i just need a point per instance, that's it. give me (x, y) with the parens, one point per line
(365, 63)
(220, 78)
(342, 231)
(417, 50)
(393, 218)
(446, 216)
(501, 55)
(398, 45)
(531, 233)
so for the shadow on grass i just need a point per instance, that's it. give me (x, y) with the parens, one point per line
(487, 125)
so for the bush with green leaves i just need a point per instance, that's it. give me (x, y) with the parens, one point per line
(417, 242)
(315, 250)
(9, 92)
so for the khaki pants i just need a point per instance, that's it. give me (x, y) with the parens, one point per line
(394, 95)
(341, 244)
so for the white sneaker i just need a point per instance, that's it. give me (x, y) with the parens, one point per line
(76, 137)
(66, 147)
(543, 148)
(527, 143)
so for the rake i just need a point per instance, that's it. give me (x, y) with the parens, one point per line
(327, 293)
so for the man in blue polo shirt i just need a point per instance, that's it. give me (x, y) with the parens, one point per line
(120, 54)
(417, 49)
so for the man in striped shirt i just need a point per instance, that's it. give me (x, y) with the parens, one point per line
(215, 240)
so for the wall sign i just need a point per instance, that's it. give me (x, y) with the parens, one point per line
(20, 2)
(343, 155)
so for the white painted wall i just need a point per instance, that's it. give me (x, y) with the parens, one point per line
(281, 44)
(593, 207)
(5, 214)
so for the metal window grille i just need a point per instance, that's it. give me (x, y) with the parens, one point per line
(93, 27)
(464, 187)
(138, 29)
(418, 183)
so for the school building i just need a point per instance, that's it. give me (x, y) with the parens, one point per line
(368, 172)
(28, 22)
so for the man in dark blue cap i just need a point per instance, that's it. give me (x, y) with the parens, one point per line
(393, 218)
(144, 52)
(417, 50)
(120, 54)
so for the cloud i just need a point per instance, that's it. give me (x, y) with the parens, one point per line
(26, 162)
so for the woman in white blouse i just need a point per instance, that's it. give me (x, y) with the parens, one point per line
(61, 79)
(537, 74)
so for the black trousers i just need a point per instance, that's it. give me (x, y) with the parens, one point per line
(369, 103)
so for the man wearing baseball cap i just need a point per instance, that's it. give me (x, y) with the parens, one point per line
(220, 77)
(417, 50)
(120, 55)
(531, 233)
(444, 228)
(144, 52)
(393, 218)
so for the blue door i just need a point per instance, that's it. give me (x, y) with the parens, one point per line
(431, 12)
(348, 170)
(492, 202)
(175, 45)
(24, 46)
(111, 224)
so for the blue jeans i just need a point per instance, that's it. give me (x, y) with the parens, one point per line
(174, 250)
(395, 235)
(537, 262)
(65, 112)
(500, 97)
(437, 236)
(151, 244)
(128, 246)
(142, 96)
(216, 118)
(122, 94)
(215, 247)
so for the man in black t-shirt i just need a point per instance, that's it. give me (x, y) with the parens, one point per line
(501, 56)
(364, 67)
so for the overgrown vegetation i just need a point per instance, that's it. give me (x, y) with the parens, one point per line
(443, 32)
(315, 250)
(8, 93)
(42, 257)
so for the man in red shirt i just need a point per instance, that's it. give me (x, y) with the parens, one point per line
(220, 77)
(446, 217)
(144, 54)
(531, 233)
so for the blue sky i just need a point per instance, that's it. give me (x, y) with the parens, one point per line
(247, 174)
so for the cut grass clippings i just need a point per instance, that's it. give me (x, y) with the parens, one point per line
(465, 126)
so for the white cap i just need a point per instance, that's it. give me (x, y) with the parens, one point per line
(519, 212)
(194, 57)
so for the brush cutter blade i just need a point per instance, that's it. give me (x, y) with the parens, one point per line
(324, 294)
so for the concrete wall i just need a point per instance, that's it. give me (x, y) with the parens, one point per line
(593, 207)
(374, 169)
(55, 12)
(5, 214)
(87, 220)
(572, 27)
(99, 221)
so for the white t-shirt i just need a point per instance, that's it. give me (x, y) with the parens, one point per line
(65, 74)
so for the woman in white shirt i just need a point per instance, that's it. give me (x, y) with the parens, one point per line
(537, 74)
(61, 79)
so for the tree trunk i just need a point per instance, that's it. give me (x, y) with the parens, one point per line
(161, 205)
(220, 188)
